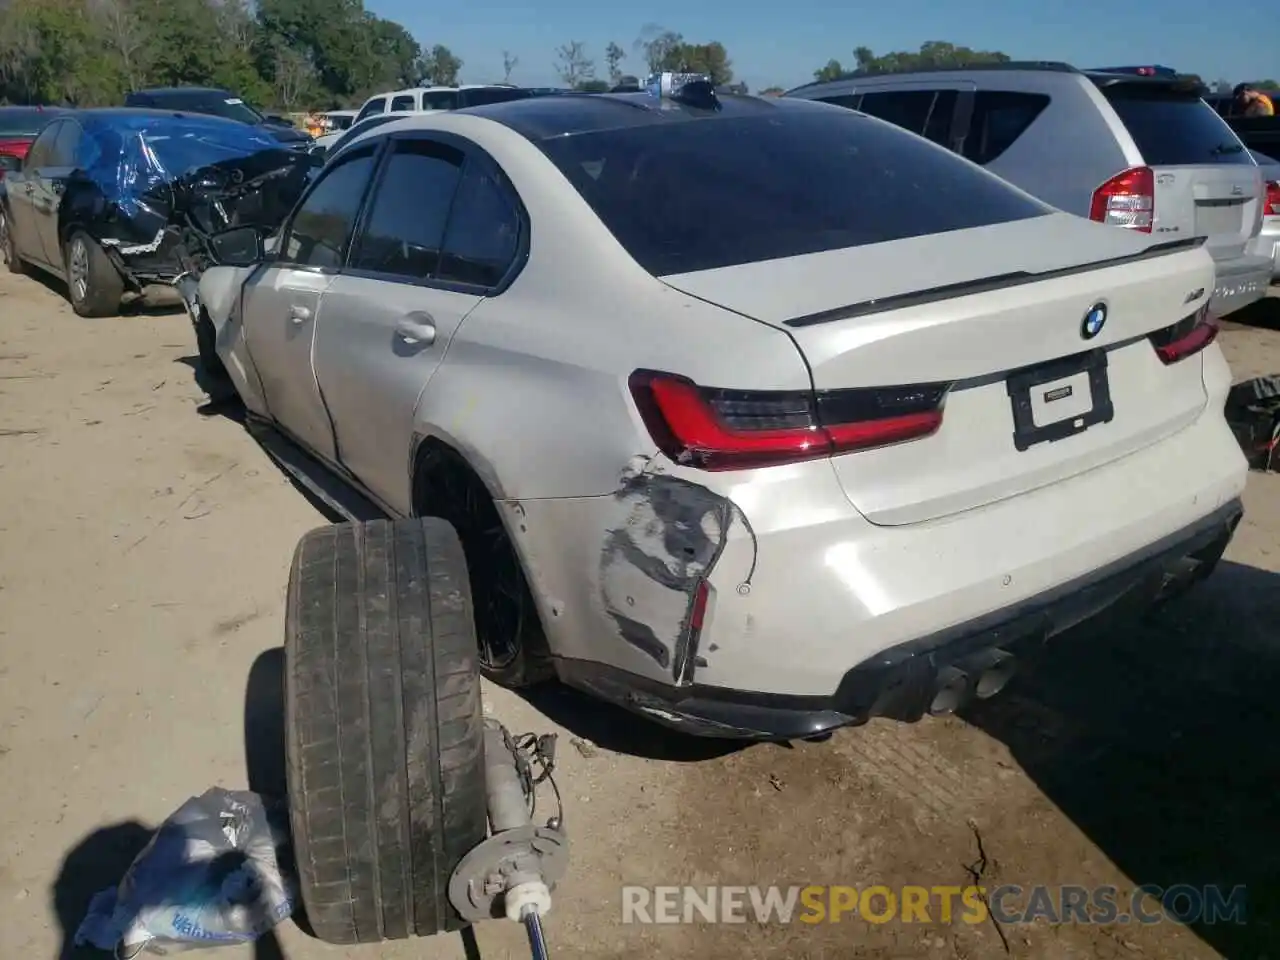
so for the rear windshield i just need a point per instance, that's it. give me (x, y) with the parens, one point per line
(22, 122)
(440, 100)
(230, 108)
(1176, 130)
(701, 194)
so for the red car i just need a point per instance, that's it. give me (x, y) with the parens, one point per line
(18, 128)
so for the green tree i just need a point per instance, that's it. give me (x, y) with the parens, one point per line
(931, 55)
(669, 51)
(441, 67)
(285, 53)
(613, 57)
(660, 49)
(592, 86)
(834, 70)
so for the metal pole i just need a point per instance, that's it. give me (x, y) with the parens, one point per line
(533, 926)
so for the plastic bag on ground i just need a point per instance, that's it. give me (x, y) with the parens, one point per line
(1253, 411)
(217, 872)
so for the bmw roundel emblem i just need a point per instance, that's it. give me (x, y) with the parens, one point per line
(1093, 321)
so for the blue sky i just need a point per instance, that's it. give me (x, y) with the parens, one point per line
(784, 42)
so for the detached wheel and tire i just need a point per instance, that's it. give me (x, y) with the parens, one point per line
(384, 727)
(93, 283)
(9, 247)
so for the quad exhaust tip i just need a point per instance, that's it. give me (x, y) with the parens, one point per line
(983, 676)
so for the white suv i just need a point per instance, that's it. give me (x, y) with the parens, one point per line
(427, 99)
(1143, 153)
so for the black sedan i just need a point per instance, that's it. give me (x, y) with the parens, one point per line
(110, 200)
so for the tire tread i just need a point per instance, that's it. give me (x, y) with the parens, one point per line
(384, 727)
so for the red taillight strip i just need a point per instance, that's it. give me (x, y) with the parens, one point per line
(683, 420)
(1173, 344)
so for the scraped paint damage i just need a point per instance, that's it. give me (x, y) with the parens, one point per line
(670, 534)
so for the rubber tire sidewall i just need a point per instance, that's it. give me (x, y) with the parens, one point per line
(105, 285)
(17, 266)
(206, 347)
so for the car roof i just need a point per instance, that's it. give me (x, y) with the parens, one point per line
(553, 115)
(171, 91)
(128, 116)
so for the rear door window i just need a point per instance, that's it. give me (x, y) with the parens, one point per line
(484, 231)
(999, 118)
(405, 228)
(702, 194)
(927, 113)
(402, 103)
(1175, 130)
(908, 109)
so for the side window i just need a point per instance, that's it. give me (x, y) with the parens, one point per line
(321, 228)
(42, 148)
(484, 231)
(440, 100)
(938, 127)
(849, 100)
(908, 109)
(405, 228)
(370, 108)
(402, 103)
(66, 146)
(999, 118)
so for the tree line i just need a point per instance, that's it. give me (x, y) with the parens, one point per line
(937, 54)
(655, 51)
(291, 54)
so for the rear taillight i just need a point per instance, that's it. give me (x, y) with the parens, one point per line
(1187, 337)
(716, 429)
(1126, 200)
(1271, 207)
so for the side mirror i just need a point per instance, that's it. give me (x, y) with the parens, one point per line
(238, 247)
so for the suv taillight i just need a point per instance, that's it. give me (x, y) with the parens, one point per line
(1187, 337)
(1126, 200)
(741, 429)
(1272, 203)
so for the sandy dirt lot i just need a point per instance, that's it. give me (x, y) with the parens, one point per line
(144, 549)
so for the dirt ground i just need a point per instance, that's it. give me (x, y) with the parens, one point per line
(144, 549)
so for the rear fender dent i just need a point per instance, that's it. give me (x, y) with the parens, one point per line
(665, 536)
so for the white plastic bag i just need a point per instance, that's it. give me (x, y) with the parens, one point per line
(216, 872)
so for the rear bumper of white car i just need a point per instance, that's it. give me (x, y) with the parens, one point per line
(1267, 244)
(901, 681)
(1241, 281)
(817, 618)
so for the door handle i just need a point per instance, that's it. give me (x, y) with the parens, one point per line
(416, 329)
(299, 314)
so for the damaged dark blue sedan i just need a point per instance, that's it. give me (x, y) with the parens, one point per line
(115, 200)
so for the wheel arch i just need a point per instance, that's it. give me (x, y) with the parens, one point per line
(437, 451)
